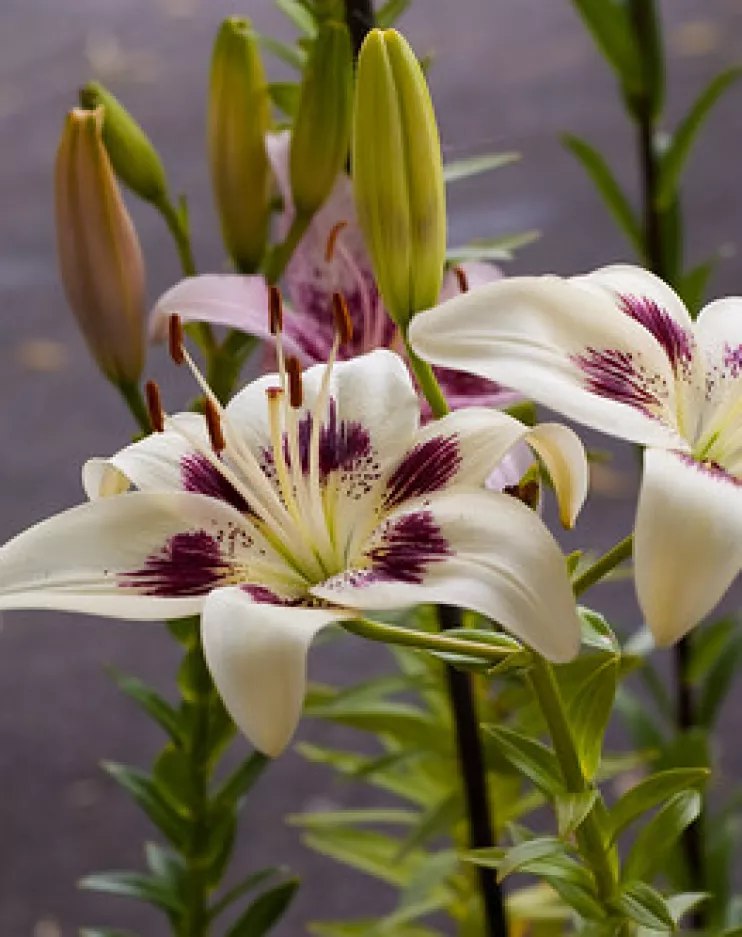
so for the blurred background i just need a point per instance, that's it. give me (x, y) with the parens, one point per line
(508, 75)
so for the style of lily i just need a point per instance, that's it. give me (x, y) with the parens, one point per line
(617, 351)
(308, 500)
(330, 258)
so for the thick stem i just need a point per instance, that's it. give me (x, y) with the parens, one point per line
(601, 567)
(589, 835)
(428, 383)
(360, 20)
(196, 919)
(474, 776)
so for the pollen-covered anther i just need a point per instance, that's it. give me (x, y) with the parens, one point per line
(343, 322)
(154, 406)
(462, 279)
(275, 310)
(332, 240)
(214, 426)
(175, 338)
(296, 388)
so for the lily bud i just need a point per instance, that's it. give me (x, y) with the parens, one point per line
(321, 132)
(100, 259)
(239, 118)
(133, 157)
(398, 175)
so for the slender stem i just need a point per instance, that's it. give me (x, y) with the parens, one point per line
(600, 568)
(196, 919)
(644, 21)
(132, 394)
(474, 775)
(428, 383)
(360, 19)
(424, 641)
(589, 835)
(280, 255)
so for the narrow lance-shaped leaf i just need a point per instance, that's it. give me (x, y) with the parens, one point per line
(144, 791)
(152, 703)
(135, 885)
(658, 837)
(572, 809)
(650, 792)
(610, 27)
(589, 712)
(645, 906)
(265, 911)
(611, 192)
(535, 760)
(475, 165)
(680, 146)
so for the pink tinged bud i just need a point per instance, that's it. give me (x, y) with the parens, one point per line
(100, 259)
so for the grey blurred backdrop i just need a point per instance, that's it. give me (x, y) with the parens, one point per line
(508, 74)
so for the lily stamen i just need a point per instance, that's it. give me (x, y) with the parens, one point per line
(461, 278)
(175, 339)
(296, 389)
(214, 426)
(154, 406)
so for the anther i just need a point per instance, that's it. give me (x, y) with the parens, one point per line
(214, 426)
(175, 338)
(462, 278)
(275, 310)
(332, 240)
(528, 492)
(343, 322)
(296, 389)
(154, 406)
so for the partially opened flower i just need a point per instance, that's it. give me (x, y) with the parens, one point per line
(307, 500)
(331, 257)
(617, 350)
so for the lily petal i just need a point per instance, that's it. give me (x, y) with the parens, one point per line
(257, 656)
(563, 344)
(139, 556)
(483, 551)
(688, 541)
(463, 447)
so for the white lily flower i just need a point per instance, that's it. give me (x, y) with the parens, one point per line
(307, 500)
(617, 351)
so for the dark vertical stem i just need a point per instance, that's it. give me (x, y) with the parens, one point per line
(644, 21)
(474, 774)
(360, 19)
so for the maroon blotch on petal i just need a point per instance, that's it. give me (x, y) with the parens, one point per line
(615, 374)
(190, 563)
(409, 546)
(199, 475)
(425, 469)
(676, 340)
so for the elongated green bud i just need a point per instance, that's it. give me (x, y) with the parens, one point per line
(100, 259)
(398, 175)
(133, 157)
(238, 120)
(321, 132)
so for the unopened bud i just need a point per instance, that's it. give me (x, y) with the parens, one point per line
(100, 259)
(239, 118)
(133, 157)
(398, 175)
(321, 132)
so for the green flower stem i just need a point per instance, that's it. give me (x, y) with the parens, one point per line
(590, 835)
(177, 225)
(279, 256)
(608, 562)
(425, 641)
(132, 394)
(426, 379)
(196, 919)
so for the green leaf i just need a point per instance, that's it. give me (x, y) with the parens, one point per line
(299, 16)
(427, 891)
(475, 165)
(286, 96)
(644, 730)
(241, 781)
(144, 791)
(604, 181)
(248, 883)
(265, 911)
(680, 905)
(401, 723)
(589, 711)
(645, 906)
(596, 632)
(533, 759)
(519, 857)
(173, 776)
(437, 820)
(692, 291)
(610, 27)
(165, 864)
(650, 792)
(152, 703)
(572, 809)
(135, 885)
(365, 928)
(291, 55)
(718, 681)
(388, 14)
(333, 818)
(492, 249)
(676, 154)
(659, 835)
